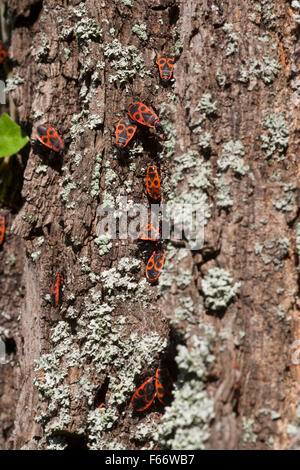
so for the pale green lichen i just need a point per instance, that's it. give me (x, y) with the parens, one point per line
(287, 202)
(293, 429)
(204, 141)
(206, 105)
(99, 421)
(101, 343)
(223, 192)
(125, 61)
(190, 168)
(167, 110)
(43, 50)
(57, 443)
(218, 289)
(144, 432)
(85, 29)
(266, 10)
(12, 83)
(273, 251)
(221, 79)
(232, 39)
(95, 185)
(231, 157)
(41, 169)
(110, 176)
(276, 141)
(104, 243)
(267, 69)
(296, 5)
(249, 436)
(94, 121)
(187, 310)
(186, 422)
(34, 256)
(140, 31)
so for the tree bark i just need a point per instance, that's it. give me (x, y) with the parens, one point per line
(224, 316)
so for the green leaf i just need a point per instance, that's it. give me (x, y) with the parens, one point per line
(12, 138)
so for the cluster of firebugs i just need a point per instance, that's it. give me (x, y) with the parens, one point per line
(160, 384)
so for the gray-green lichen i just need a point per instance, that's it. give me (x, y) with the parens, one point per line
(206, 105)
(95, 185)
(104, 243)
(266, 68)
(232, 39)
(296, 6)
(276, 141)
(293, 429)
(185, 423)
(232, 157)
(165, 112)
(221, 79)
(100, 340)
(140, 31)
(188, 185)
(35, 255)
(223, 192)
(218, 289)
(41, 169)
(85, 29)
(248, 436)
(266, 8)
(273, 251)
(125, 61)
(12, 83)
(287, 202)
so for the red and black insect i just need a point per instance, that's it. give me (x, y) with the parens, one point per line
(56, 291)
(153, 182)
(149, 234)
(2, 228)
(49, 137)
(160, 384)
(155, 265)
(3, 51)
(125, 130)
(144, 395)
(165, 66)
(163, 385)
(142, 114)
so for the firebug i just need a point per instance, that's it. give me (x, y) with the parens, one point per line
(142, 114)
(149, 233)
(144, 395)
(160, 384)
(153, 182)
(49, 137)
(3, 51)
(165, 66)
(163, 385)
(56, 291)
(155, 265)
(2, 228)
(125, 130)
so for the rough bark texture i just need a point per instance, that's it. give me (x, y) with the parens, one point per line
(230, 143)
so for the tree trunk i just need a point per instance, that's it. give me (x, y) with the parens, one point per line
(224, 316)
